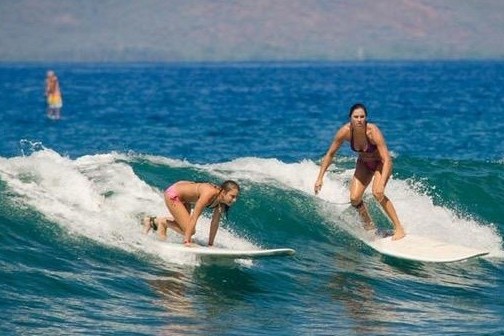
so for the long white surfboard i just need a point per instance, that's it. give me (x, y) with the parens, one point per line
(423, 249)
(218, 252)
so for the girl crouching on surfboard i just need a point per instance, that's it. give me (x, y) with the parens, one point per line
(186, 200)
(373, 162)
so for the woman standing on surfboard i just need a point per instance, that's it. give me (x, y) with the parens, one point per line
(373, 161)
(186, 200)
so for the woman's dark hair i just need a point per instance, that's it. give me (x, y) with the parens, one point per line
(355, 107)
(227, 186)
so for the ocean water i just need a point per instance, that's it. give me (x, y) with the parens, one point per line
(74, 261)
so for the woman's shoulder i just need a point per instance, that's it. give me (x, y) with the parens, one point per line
(345, 128)
(374, 132)
(372, 127)
(343, 132)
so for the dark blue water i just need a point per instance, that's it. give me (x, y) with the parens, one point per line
(74, 261)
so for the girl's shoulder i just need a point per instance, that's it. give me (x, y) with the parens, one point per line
(210, 187)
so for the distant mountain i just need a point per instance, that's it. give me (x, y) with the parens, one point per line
(250, 30)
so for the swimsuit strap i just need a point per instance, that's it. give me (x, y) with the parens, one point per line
(213, 203)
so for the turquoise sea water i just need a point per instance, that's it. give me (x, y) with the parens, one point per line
(74, 261)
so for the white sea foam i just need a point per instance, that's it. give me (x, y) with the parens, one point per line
(98, 196)
(416, 210)
(101, 197)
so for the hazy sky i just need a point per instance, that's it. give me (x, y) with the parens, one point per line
(250, 30)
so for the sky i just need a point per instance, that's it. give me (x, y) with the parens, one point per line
(249, 30)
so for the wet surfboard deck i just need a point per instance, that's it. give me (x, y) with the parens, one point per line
(424, 249)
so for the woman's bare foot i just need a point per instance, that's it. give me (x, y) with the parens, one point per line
(148, 224)
(368, 226)
(398, 234)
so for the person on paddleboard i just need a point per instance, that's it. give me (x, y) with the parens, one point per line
(373, 163)
(186, 201)
(53, 95)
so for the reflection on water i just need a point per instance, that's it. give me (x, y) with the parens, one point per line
(201, 294)
(181, 316)
(381, 295)
(355, 291)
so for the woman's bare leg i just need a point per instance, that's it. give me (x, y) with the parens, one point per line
(161, 223)
(390, 211)
(181, 215)
(361, 179)
(388, 207)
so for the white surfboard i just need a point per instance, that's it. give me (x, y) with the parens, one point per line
(423, 249)
(223, 253)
